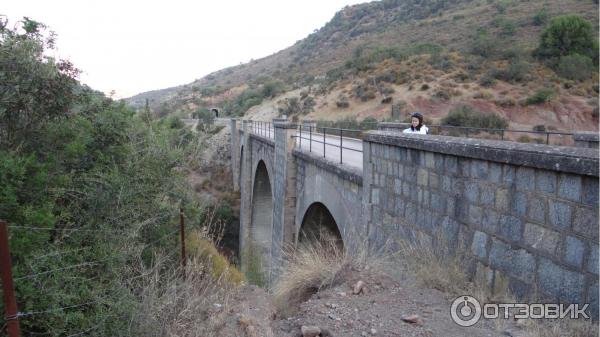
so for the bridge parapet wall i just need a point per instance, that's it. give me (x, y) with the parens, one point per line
(526, 213)
(339, 187)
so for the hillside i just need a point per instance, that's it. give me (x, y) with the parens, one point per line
(381, 56)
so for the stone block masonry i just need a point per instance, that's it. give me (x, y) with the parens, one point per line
(528, 212)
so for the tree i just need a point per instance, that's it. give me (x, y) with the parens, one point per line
(35, 88)
(566, 35)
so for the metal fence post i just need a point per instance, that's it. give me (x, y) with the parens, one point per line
(310, 138)
(10, 302)
(323, 142)
(341, 145)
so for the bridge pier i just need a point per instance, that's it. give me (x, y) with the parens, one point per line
(245, 185)
(235, 154)
(284, 193)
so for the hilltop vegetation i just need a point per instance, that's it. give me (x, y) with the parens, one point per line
(378, 57)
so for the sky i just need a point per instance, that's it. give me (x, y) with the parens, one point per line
(136, 46)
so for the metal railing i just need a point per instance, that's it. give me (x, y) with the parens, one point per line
(319, 138)
(263, 129)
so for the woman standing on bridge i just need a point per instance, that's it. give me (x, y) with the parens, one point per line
(416, 124)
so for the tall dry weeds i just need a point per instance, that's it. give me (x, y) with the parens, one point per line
(439, 264)
(318, 264)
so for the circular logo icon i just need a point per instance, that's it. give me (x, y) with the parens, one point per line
(465, 311)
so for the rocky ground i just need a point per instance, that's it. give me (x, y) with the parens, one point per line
(384, 306)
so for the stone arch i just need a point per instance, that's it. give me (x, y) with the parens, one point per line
(317, 224)
(261, 226)
(215, 111)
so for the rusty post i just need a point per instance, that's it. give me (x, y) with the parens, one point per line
(10, 302)
(182, 234)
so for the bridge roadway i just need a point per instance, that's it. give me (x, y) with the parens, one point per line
(313, 142)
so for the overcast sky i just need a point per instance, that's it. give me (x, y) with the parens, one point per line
(136, 46)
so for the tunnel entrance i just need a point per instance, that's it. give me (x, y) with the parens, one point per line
(215, 111)
(319, 225)
(259, 247)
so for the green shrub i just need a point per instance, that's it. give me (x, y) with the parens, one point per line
(539, 128)
(516, 71)
(541, 17)
(488, 79)
(566, 35)
(508, 28)
(368, 123)
(467, 116)
(272, 88)
(484, 45)
(440, 61)
(575, 67)
(541, 96)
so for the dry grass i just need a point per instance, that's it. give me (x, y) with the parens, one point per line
(443, 268)
(561, 328)
(319, 264)
(171, 305)
(437, 264)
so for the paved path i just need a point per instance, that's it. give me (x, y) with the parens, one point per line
(312, 142)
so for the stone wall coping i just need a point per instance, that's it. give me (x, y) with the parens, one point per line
(397, 125)
(345, 172)
(262, 139)
(558, 158)
(284, 125)
(586, 136)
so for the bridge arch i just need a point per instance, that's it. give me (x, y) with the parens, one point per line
(261, 225)
(319, 224)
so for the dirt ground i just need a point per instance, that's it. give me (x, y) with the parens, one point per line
(377, 311)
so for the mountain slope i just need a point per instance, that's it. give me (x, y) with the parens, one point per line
(446, 44)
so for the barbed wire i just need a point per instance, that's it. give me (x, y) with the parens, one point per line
(32, 313)
(64, 229)
(61, 252)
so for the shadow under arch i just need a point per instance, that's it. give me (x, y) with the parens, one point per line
(261, 227)
(318, 224)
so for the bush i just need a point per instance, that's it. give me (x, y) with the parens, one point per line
(440, 62)
(575, 67)
(368, 123)
(516, 71)
(442, 95)
(539, 128)
(272, 88)
(541, 17)
(308, 104)
(364, 91)
(424, 87)
(467, 116)
(342, 104)
(541, 96)
(206, 119)
(488, 79)
(484, 45)
(566, 35)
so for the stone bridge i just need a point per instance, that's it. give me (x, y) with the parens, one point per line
(526, 213)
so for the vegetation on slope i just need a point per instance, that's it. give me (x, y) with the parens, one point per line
(447, 49)
(91, 191)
